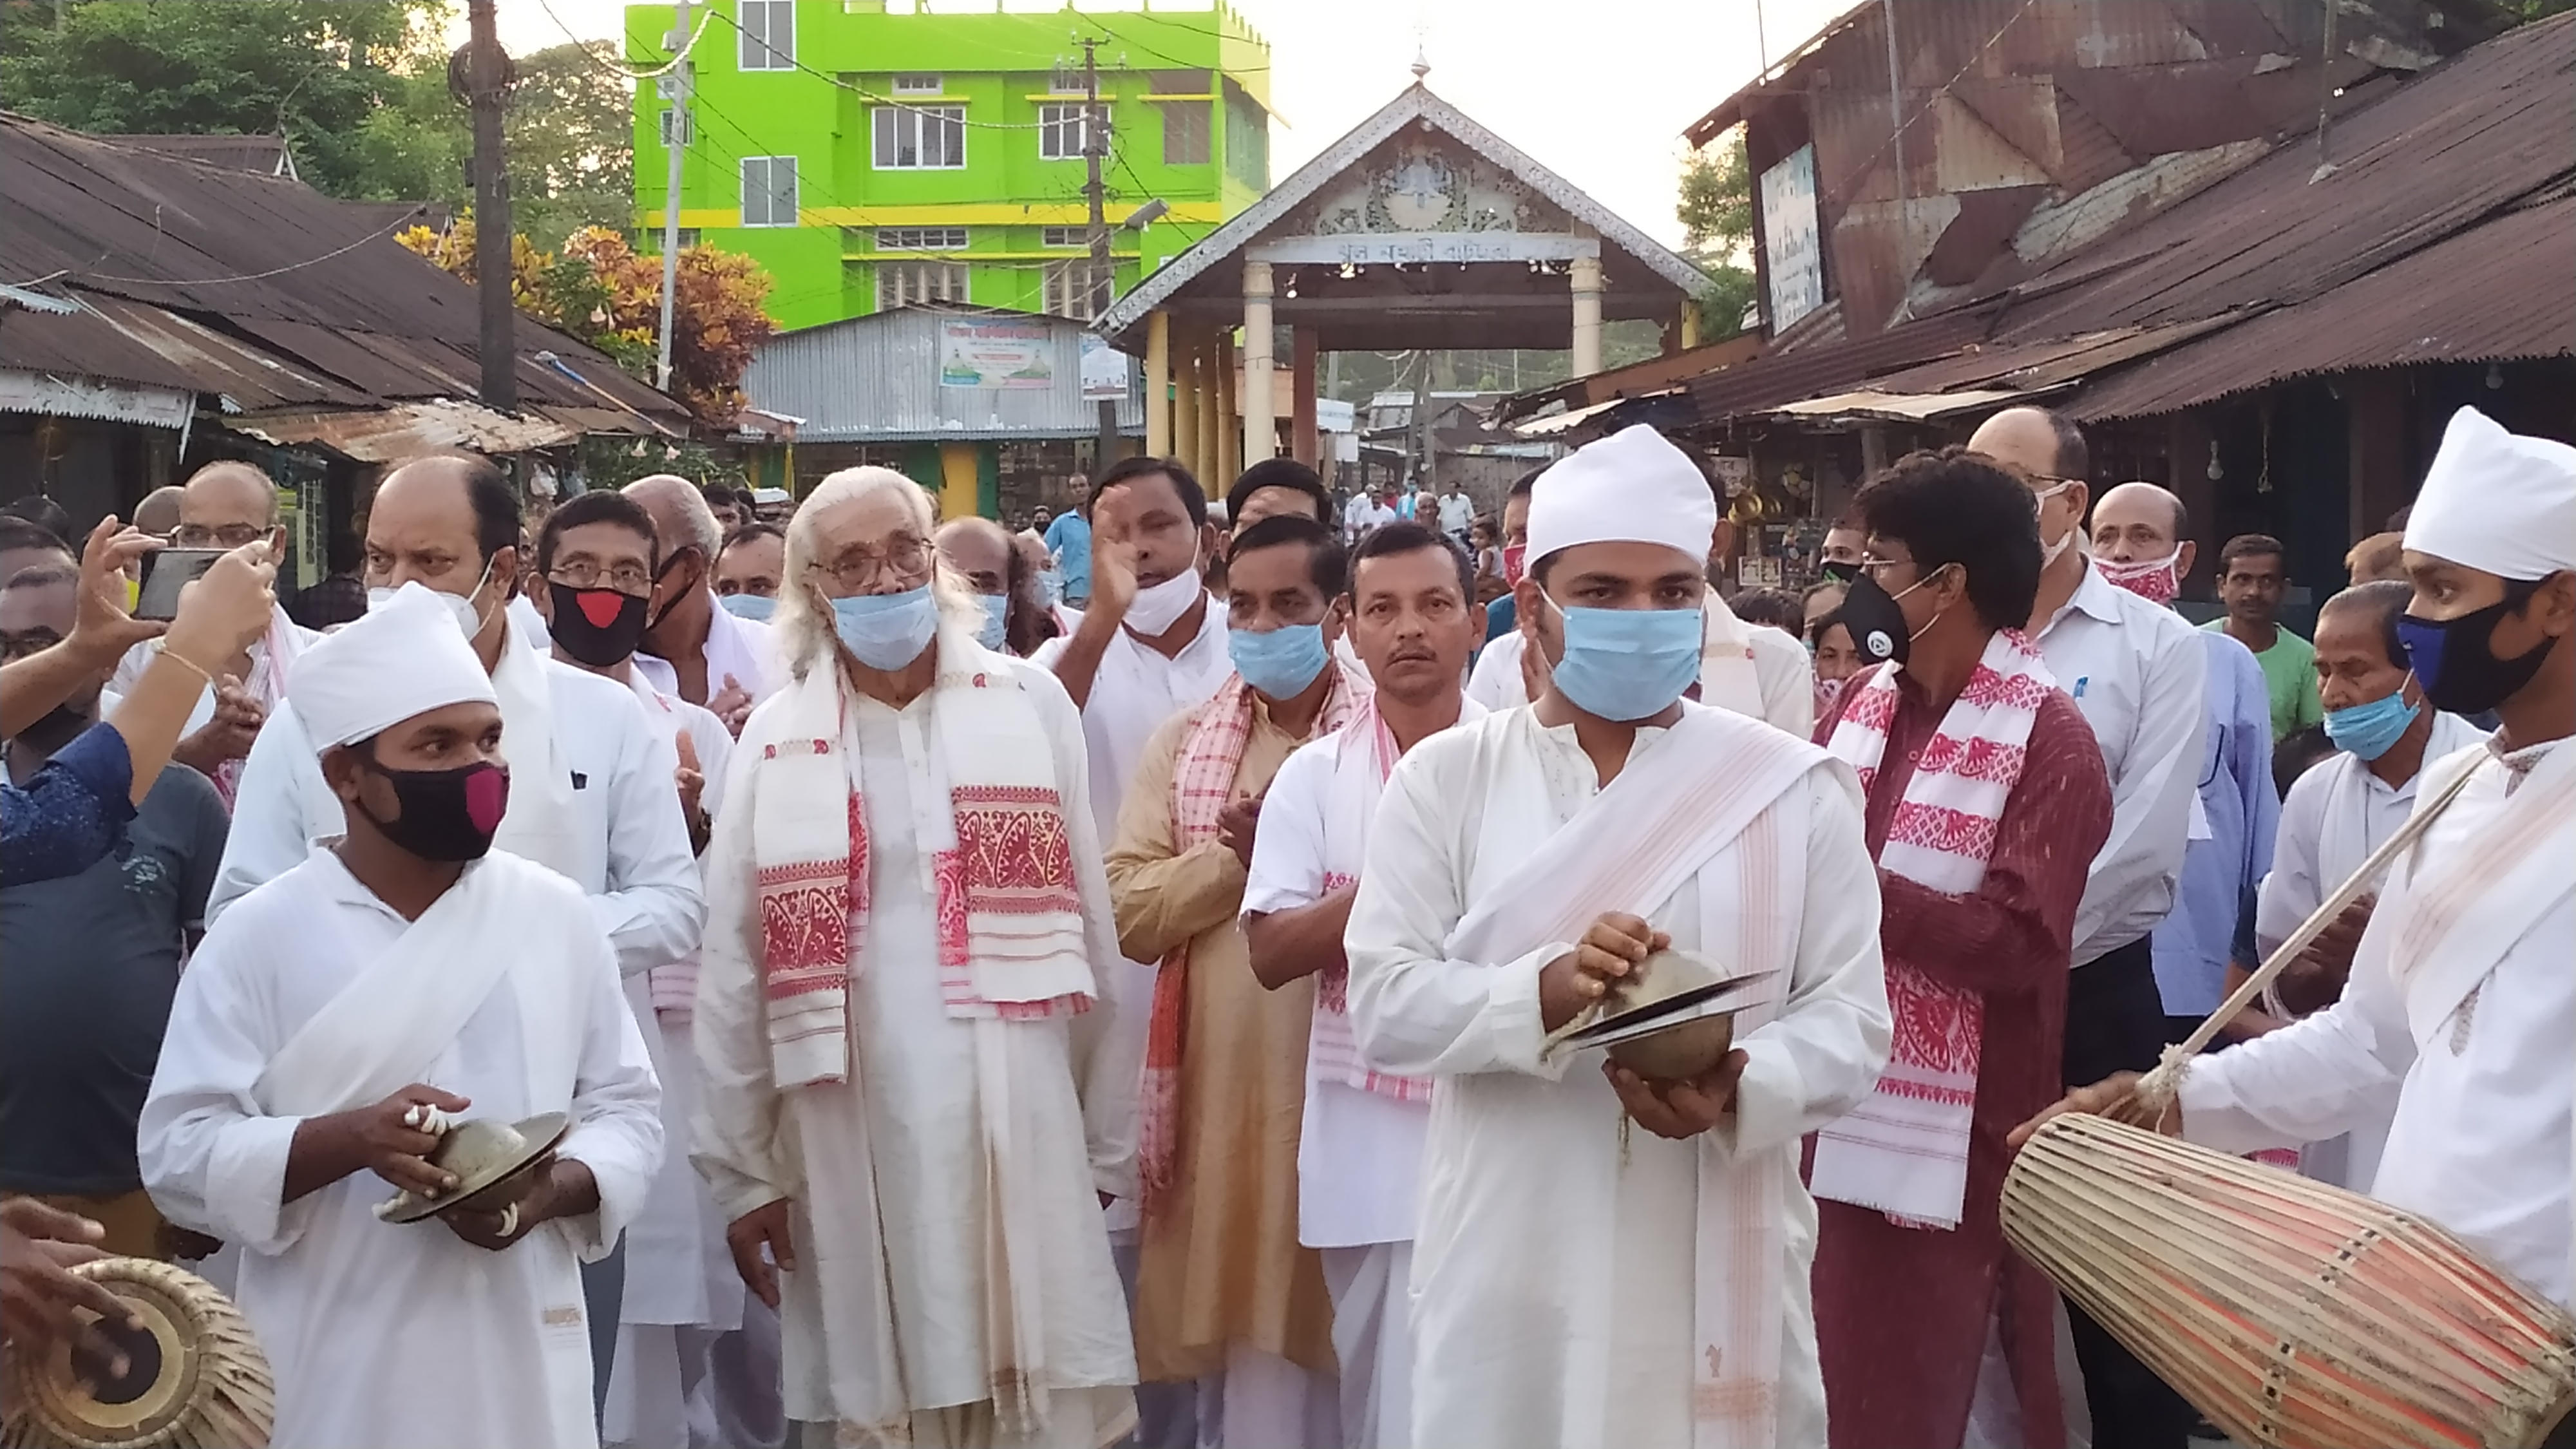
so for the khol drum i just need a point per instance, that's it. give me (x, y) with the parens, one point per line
(195, 1378)
(2294, 1314)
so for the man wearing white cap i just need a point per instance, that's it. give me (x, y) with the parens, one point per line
(1578, 1281)
(1762, 674)
(2460, 1004)
(350, 1011)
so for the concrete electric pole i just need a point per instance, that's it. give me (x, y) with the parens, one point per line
(679, 129)
(1104, 268)
(488, 77)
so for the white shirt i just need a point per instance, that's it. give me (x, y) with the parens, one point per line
(1557, 1263)
(2136, 671)
(1780, 663)
(266, 680)
(737, 647)
(2479, 1142)
(1359, 1153)
(347, 1308)
(2331, 821)
(635, 862)
(1457, 513)
(1134, 690)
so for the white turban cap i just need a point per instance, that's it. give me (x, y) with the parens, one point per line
(1630, 487)
(402, 659)
(2497, 502)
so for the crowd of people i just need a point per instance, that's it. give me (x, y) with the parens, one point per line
(997, 987)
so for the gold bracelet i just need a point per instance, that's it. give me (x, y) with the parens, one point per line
(177, 658)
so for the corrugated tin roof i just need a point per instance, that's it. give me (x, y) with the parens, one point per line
(2441, 234)
(2503, 290)
(877, 378)
(250, 286)
(259, 155)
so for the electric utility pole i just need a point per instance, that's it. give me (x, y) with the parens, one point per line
(488, 76)
(1104, 268)
(679, 129)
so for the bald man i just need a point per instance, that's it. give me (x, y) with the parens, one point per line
(158, 513)
(2135, 669)
(2139, 543)
(979, 551)
(225, 505)
(693, 647)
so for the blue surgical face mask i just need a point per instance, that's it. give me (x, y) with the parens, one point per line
(994, 632)
(1281, 663)
(887, 631)
(2368, 731)
(1050, 587)
(1627, 664)
(748, 606)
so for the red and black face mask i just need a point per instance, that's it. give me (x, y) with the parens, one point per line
(599, 627)
(444, 815)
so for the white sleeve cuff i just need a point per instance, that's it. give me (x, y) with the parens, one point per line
(246, 1184)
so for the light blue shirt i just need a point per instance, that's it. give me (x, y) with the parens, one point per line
(1069, 539)
(2222, 869)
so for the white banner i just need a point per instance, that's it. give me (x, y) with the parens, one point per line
(995, 356)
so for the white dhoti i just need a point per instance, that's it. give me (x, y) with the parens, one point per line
(1373, 1341)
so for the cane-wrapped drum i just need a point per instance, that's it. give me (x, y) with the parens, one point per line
(2293, 1314)
(196, 1378)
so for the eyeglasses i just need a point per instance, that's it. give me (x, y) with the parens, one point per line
(231, 535)
(624, 578)
(904, 557)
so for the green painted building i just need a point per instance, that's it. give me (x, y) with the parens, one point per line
(871, 153)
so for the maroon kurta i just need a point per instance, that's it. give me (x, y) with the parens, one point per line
(1901, 1312)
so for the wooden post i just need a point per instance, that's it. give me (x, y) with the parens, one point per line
(1302, 442)
(1260, 413)
(1185, 401)
(1158, 384)
(1228, 440)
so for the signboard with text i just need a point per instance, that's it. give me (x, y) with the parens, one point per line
(995, 356)
(1793, 254)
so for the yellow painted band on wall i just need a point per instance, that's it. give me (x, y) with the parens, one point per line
(980, 213)
(957, 480)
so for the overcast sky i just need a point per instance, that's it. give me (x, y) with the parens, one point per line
(1598, 91)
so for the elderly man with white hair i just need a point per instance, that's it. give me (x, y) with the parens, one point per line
(694, 648)
(343, 1015)
(911, 1107)
(1578, 1281)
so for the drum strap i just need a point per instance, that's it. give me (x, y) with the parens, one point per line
(2157, 1089)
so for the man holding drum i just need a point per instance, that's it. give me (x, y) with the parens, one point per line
(2460, 1005)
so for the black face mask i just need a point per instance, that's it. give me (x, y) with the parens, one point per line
(447, 815)
(2454, 659)
(677, 595)
(599, 627)
(1839, 572)
(1877, 625)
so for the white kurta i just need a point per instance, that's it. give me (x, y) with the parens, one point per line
(886, 1174)
(380, 1334)
(1555, 1272)
(2479, 1141)
(739, 647)
(1132, 693)
(630, 847)
(2332, 819)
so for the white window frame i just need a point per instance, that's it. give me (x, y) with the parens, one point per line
(912, 83)
(687, 130)
(903, 283)
(920, 238)
(759, 48)
(1070, 238)
(766, 188)
(887, 124)
(1063, 130)
(1202, 115)
(1076, 288)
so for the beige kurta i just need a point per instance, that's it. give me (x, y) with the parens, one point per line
(1220, 1263)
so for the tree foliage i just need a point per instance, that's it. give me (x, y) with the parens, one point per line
(601, 290)
(316, 69)
(1716, 210)
(569, 137)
